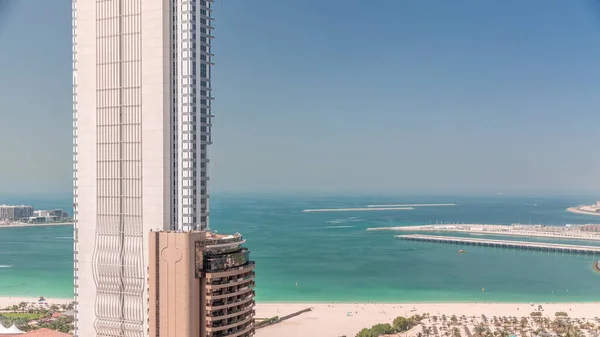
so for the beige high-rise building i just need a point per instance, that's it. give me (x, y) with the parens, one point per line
(142, 122)
(200, 284)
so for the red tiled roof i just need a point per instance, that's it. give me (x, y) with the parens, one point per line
(41, 333)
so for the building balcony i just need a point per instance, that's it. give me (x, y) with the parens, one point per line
(231, 287)
(230, 282)
(217, 239)
(231, 322)
(225, 261)
(238, 292)
(215, 304)
(229, 304)
(206, 53)
(232, 312)
(230, 272)
(240, 331)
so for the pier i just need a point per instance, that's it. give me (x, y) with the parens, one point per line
(540, 246)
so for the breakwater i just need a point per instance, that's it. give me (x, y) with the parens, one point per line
(540, 246)
(554, 232)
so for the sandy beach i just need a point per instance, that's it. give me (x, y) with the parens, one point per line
(339, 319)
(10, 301)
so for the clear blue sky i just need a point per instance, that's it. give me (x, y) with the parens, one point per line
(334, 95)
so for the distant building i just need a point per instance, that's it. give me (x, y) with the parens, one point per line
(11, 212)
(36, 219)
(212, 272)
(51, 215)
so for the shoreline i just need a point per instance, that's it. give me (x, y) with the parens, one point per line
(578, 211)
(21, 225)
(61, 300)
(334, 319)
(347, 318)
(7, 298)
(7, 301)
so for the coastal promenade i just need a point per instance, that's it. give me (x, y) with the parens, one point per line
(541, 246)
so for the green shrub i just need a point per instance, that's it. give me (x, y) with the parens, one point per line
(380, 329)
(366, 333)
(401, 323)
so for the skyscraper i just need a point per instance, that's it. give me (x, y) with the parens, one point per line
(142, 121)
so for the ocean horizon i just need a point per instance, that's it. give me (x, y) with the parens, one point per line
(330, 257)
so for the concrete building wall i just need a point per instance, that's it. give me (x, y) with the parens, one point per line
(84, 157)
(121, 97)
(176, 310)
(141, 127)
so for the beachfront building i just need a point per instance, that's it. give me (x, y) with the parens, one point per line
(53, 215)
(201, 284)
(14, 212)
(142, 125)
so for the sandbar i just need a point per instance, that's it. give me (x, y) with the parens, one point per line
(17, 225)
(580, 211)
(357, 209)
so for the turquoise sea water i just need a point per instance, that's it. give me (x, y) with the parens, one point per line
(331, 257)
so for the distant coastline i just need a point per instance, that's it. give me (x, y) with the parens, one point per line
(19, 225)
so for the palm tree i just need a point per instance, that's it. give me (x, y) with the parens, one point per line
(524, 322)
(480, 329)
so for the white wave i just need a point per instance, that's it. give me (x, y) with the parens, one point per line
(339, 227)
(344, 220)
(5, 266)
(359, 209)
(410, 205)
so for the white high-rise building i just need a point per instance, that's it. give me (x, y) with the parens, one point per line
(142, 121)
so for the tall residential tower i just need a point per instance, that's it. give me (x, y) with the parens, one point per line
(142, 121)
